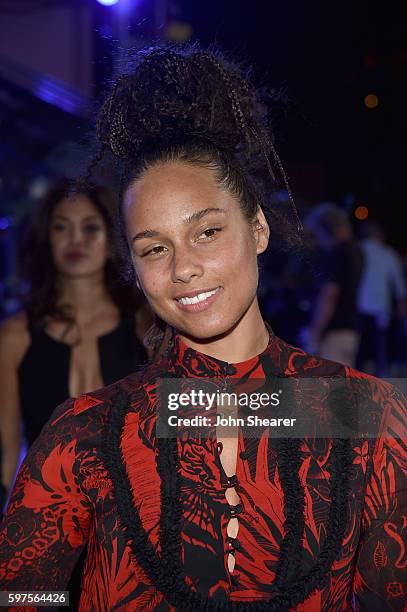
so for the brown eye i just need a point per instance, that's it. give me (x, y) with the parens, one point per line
(58, 227)
(157, 250)
(211, 231)
(92, 228)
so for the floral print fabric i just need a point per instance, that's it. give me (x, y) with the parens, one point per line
(64, 497)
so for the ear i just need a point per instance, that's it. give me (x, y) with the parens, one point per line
(261, 231)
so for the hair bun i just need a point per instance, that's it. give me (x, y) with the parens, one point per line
(172, 94)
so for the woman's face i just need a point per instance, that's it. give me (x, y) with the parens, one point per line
(78, 237)
(194, 253)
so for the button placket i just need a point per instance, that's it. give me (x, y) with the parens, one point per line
(234, 579)
(230, 482)
(232, 528)
(233, 509)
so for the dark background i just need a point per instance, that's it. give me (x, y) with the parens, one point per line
(323, 58)
(328, 56)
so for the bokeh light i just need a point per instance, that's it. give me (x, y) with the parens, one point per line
(371, 101)
(4, 223)
(361, 213)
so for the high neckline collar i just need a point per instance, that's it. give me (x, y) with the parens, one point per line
(198, 363)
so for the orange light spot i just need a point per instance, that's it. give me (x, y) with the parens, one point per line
(361, 213)
(371, 101)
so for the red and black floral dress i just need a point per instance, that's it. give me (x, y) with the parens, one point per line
(322, 522)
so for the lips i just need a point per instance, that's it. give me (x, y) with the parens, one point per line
(199, 300)
(74, 255)
(192, 294)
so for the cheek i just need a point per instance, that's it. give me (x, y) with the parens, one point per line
(238, 256)
(153, 280)
(242, 269)
(56, 244)
(100, 245)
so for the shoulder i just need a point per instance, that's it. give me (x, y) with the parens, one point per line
(386, 400)
(393, 258)
(16, 324)
(389, 251)
(294, 361)
(386, 255)
(369, 406)
(365, 387)
(363, 405)
(377, 389)
(14, 337)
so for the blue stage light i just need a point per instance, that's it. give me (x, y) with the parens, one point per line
(108, 2)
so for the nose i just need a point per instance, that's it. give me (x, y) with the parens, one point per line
(76, 234)
(185, 266)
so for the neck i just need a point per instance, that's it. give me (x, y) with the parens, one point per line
(246, 339)
(85, 294)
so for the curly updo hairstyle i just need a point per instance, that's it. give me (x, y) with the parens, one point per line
(181, 103)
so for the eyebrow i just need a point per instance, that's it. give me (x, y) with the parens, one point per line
(193, 218)
(88, 218)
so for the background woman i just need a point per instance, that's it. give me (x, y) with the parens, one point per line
(81, 327)
(205, 521)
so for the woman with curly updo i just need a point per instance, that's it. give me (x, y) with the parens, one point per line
(211, 513)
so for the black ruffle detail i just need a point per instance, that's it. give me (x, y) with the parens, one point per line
(289, 463)
(166, 571)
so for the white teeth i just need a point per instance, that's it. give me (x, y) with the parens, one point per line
(197, 298)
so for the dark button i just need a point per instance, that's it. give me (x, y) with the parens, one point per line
(231, 481)
(244, 455)
(234, 580)
(235, 543)
(233, 510)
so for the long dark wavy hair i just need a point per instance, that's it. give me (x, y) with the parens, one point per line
(41, 303)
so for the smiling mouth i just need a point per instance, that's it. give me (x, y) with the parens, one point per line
(196, 299)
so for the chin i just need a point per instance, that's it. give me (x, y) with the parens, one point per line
(204, 326)
(206, 330)
(78, 270)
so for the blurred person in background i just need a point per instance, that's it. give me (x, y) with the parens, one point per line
(382, 282)
(333, 331)
(286, 303)
(81, 327)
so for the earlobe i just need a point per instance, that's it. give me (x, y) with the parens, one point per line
(262, 243)
(262, 232)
